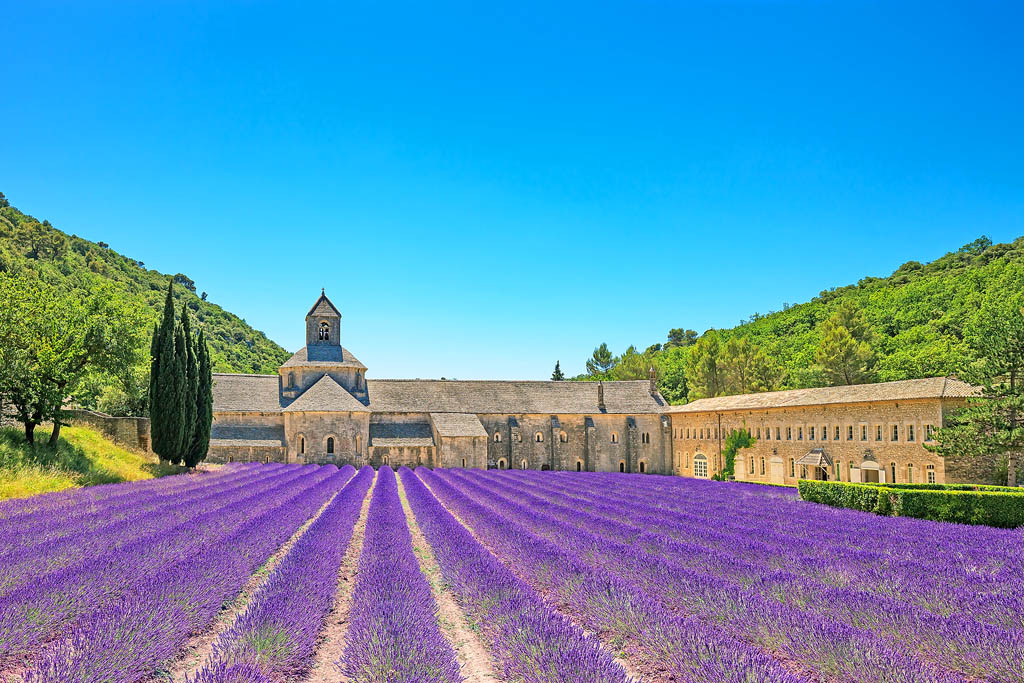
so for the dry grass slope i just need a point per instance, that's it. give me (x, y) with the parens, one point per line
(82, 458)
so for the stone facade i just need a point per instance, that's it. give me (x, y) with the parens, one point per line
(320, 407)
(825, 434)
(131, 432)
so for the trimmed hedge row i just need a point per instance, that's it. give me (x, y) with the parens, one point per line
(954, 487)
(1001, 508)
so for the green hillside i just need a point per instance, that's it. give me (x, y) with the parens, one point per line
(36, 249)
(916, 319)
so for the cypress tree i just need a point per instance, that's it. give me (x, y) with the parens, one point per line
(166, 398)
(179, 434)
(204, 405)
(191, 388)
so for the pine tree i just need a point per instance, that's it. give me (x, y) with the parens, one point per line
(601, 361)
(557, 375)
(992, 424)
(191, 389)
(204, 405)
(844, 354)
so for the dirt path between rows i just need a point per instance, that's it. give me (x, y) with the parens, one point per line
(475, 662)
(331, 641)
(197, 652)
(631, 671)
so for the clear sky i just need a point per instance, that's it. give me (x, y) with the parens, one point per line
(484, 188)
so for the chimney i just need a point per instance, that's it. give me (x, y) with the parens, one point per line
(600, 397)
(652, 379)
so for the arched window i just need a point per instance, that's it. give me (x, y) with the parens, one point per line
(545, 468)
(538, 437)
(463, 463)
(522, 465)
(892, 470)
(330, 444)
(497, 437)
(291, 379)
(622, 466)
(615, 437)
(762, 465)
(501, 463)
(751, 468)
(324, 333)
(643, 467)
(700, 466)
(302, 444)
(384, 460)
(910, 473)
(579, 466)
(359, 444)
(563, 437)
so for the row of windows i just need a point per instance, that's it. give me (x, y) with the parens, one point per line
(645, 437)
(329, 445)
(524, 465)
(813, 434)
(837, 471)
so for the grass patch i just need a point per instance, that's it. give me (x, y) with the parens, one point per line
(82, 457)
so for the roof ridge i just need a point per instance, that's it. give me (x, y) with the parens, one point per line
(240, 374)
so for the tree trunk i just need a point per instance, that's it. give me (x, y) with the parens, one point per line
(1011, 471)
(30, 432)
(55, 434)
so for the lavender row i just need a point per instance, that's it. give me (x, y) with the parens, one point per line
(530, 641)
(37, 612)
(124, 641)
(957, 643)
(36, 562)
(43, 543)
(275, 638)
(671, 646)
(984, 581)
(79, 500)
(393, 631)
(48, 524)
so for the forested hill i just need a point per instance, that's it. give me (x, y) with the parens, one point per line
(908, 325)
(36, 249)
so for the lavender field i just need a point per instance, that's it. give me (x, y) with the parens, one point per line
(260, 573)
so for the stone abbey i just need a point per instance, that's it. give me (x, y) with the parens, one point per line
(321, 407)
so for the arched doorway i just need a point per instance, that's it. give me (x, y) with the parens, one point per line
(700, 466)
(545, 468)
(643, 467)
(622, 466)
(502, 464)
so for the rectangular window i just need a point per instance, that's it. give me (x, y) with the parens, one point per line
(759, 432)
(863, 432)
(824, 432)
(768, 433)
(910, 432)
(762, 467)
(849, 433)
(811, 434)
(716, 432)
(789, 433)
(895, 432)
(778, 433)
(800, 433)
(878, 432)
(910, 473)
(792, 467)
(931, 474)
(836, 434)
(751, 469)
(839, 470)
(929, 432)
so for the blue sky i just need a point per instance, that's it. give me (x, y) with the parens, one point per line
(484, 188)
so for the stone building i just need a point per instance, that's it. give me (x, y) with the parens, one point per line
(861, 433)
(321, 407)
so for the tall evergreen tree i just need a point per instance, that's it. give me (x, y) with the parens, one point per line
(204, 405)
(557, 375)
(167, 398)
(601, 361)
(704, 372)
(844, 354)
(191, 362)
(992, 424)
(183, 433)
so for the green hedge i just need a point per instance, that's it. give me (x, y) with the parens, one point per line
(999, 508)
(954, 487)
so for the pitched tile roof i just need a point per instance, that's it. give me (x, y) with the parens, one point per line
(246, 393)
(247, 435)
(401, 434)
(324, 307)
(321, 355)
(457, 424)
(326, 395)
(517, 397)
(902, 390)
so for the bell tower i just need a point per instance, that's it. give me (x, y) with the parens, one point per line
(323, 330)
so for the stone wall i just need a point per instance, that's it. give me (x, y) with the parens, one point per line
(130, 432)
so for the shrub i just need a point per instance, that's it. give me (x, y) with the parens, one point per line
(962, 503)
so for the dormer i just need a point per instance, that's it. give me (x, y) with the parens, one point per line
(323, 324)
